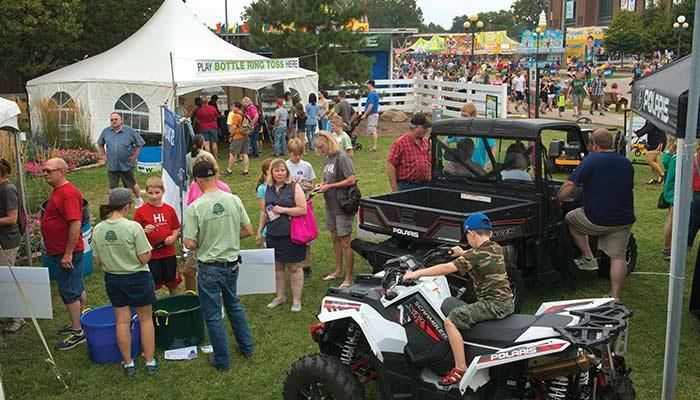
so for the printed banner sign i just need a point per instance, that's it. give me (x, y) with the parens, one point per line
(174, 150)
(213, 67)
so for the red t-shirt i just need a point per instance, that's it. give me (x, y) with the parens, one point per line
(207, 115)
(64, 205)
(411, 160)
(165, 220)
(696, 174)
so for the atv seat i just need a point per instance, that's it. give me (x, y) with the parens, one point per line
(504, 332)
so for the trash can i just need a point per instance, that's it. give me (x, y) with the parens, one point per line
(100, 326)
(178, 321)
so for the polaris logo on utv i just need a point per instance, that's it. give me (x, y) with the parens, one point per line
(504, 233)
(513, 353)
(406, 232)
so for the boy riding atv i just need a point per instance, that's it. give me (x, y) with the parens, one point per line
(485, 264)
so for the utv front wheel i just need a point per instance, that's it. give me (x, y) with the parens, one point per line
(320, 376)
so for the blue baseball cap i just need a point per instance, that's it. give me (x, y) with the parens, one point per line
(477, 221)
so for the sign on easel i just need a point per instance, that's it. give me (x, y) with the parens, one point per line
(35, 285)
(256, 272)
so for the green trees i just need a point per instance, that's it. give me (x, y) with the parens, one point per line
(313, 30)
(394, 14)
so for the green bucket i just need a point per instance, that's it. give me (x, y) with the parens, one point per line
(178, 322)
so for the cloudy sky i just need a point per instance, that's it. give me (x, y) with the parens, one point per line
(437, 11)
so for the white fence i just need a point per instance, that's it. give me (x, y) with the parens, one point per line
(418, 95)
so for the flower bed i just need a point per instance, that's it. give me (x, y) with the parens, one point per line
(75, 158)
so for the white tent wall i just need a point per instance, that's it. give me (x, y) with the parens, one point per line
(142, 65)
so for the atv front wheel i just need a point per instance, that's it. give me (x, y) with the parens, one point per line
(320, 376)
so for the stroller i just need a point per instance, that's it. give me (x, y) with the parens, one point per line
(350, 130)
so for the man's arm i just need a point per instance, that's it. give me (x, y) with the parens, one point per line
(391, 173)
(135, 156)
(247, 231)
(73, 236)
(103, 153)
(191, 244)
(566, 191)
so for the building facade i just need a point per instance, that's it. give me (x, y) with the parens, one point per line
(580, 13)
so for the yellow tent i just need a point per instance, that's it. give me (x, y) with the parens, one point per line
(419, 45)
(435, 44)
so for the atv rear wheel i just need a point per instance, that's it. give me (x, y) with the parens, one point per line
(320, 376)
(517, 286)
(630, 259)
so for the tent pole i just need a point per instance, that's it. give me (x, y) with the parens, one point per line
(682, 198)
(23, 194)
(629, 129)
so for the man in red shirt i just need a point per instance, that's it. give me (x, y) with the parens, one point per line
(60, 229)
(207, 124)
(408, 162)
(159, 221)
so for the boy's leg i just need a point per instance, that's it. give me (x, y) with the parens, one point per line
(457, 345)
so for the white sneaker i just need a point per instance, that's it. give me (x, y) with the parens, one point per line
(276, 302)
(296, 307)
(138, 202)
(586, 265)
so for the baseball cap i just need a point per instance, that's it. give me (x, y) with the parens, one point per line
(420, 120)
(119, 197)
(477, 221)
(203, 169)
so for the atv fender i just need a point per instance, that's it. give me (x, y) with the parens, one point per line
(477, 372)
(382, 335)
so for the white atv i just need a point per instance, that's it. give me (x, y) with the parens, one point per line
(385, 330)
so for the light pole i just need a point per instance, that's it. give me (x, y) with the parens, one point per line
(539, 31)
(473, 24)
(680, 25)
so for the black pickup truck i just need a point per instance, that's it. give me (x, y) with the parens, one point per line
(495, 166)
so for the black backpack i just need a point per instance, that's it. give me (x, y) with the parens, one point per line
(348, 197)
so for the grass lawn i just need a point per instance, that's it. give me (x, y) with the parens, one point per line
(281, 336)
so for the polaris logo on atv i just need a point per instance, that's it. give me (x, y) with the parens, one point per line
(513, 353)
(405, 232)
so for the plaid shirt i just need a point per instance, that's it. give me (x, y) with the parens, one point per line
(411, 160)
(597, 87)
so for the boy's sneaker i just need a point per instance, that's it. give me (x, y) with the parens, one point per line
(586, 265)
(307, 272)
(72, 340)
(667, 254)
(152, 369)
(130, 370)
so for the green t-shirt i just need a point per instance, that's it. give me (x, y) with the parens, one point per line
(214, 221)
(117, 243)
(343, 140)
(577, 86)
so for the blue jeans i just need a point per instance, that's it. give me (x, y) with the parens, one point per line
(280, 141)
(403, 185)
(310, 132)
(323, 126)
(214, 282)
(254, 136)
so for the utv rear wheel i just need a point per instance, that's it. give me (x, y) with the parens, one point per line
(517, 286)
(320, 376)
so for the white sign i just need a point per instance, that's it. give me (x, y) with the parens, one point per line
(569, 9)
(185, 353)
(214, 67)
(256, 272)
(35, 285)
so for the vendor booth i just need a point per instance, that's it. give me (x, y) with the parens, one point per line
(173, 54)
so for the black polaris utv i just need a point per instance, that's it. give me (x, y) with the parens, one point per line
(513, 186)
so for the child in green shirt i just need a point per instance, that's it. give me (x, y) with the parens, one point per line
(123, 251)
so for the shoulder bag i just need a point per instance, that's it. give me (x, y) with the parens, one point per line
(303, 228)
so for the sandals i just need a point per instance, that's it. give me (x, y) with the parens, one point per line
(344, 285)
(655, 181)
(453, 377)
(330, 277)
(15, 326)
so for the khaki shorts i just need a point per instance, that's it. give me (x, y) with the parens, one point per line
(341, 224)
(466, 316)
(372, 121)
(612, 240)
(239, 147)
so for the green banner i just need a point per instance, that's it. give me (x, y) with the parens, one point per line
(214, 67)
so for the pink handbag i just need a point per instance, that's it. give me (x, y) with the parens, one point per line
(303, 228)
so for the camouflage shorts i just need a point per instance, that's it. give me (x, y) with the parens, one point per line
(465, 316)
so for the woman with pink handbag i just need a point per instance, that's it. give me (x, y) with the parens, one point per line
(284, 200)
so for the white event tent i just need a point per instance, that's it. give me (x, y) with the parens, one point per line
(155, 64)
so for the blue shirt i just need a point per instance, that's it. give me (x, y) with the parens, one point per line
(373, 98)
(481, 155)
(120, 146)
(608, 182)
(312, 114)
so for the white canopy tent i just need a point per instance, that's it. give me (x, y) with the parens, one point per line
(9, 110)
(156, 63)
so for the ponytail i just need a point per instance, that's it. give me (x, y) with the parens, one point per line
(105, 211)
(5, 168)
(197, 144)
